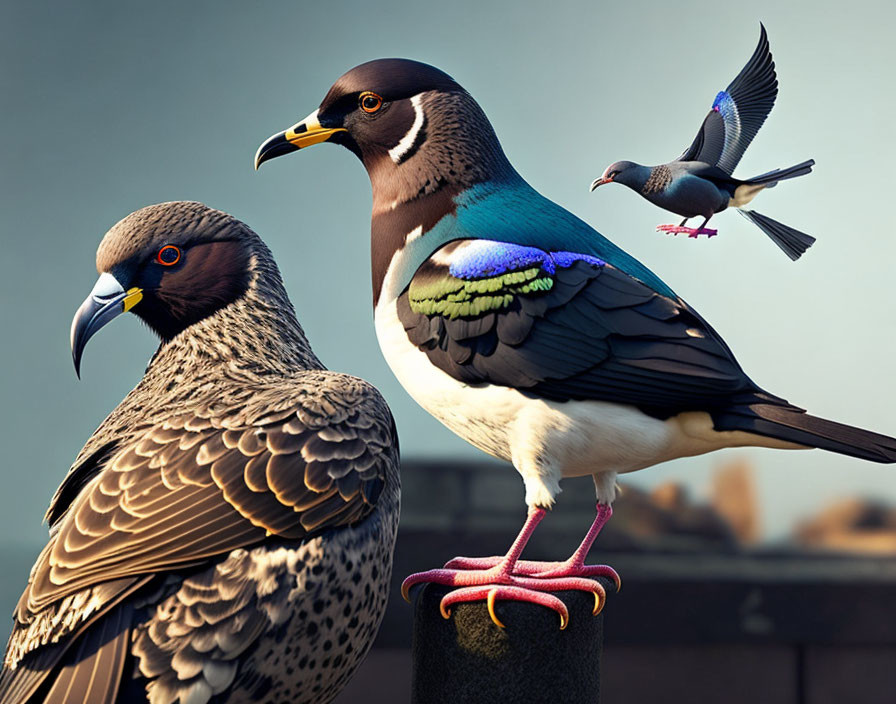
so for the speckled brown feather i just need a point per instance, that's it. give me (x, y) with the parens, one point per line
(660, 178)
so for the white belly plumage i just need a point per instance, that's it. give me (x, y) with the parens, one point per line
(548, 440)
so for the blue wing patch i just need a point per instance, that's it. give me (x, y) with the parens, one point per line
(477, 259)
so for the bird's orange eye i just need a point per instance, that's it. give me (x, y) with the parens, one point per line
(169, 255)
(370, 102)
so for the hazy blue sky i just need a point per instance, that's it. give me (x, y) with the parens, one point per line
(109, 106)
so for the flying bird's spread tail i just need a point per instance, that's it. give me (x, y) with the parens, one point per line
(771, 178)
(791, 424)
(793, 242)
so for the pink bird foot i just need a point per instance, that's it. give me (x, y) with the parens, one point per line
(491, 593)
(497, 583)
(510, 578)
(692, 232)
(533, 568)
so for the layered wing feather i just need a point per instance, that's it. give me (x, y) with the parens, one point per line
(565, 326)
(737, 113)
(197, 486)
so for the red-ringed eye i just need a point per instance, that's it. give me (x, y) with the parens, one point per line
(370, 102)
(169, 255)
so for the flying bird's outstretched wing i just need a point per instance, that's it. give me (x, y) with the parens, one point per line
(193, 488)
(737, 113)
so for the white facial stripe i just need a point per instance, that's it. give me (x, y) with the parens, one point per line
(403, 147)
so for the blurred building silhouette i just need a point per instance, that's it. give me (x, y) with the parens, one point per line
(851, 525)
(735, 499)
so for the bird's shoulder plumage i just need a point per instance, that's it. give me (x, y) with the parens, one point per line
(737, 112)
(516, 213)
(296, 458)
(565, 326)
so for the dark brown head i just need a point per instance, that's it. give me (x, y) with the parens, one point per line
(173, 265)
(414, 128)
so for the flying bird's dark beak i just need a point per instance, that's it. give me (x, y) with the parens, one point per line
(600, 182)
(303, 134)
(106, 301)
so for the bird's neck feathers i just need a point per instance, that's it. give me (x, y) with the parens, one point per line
(455, 151)
(258, 333)
(637, 176)
(451, 146)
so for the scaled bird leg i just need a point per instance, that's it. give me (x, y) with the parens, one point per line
(573, 567)
(704, 230)
(498, 581)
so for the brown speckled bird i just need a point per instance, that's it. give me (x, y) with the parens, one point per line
(226, 534)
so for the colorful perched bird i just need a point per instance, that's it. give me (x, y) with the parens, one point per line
(524, 330)
(699, 182)
(226, 534)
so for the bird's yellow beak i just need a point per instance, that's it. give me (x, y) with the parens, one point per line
(303, 134)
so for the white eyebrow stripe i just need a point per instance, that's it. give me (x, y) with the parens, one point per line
(398, 152)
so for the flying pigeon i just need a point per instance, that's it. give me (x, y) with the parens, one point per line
(226, 534)
(699, 182)
(524, 330)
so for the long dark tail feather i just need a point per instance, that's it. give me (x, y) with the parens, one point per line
(17, 686)
(90, 671)
(793, 242)
(793, 424)
(775, 175)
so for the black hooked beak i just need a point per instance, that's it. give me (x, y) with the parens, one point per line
(106, 301)
(303, 134)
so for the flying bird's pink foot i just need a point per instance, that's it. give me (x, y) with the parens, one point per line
(509, 578)
(693, 232)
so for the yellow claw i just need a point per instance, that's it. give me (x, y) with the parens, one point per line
(600, 598)
(406, 592)
(446, 612)
(564, 621)
(492, 595)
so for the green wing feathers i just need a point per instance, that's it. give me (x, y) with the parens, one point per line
(440, 293)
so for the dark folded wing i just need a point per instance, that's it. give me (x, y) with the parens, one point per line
(737, 113)
(563, 326)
